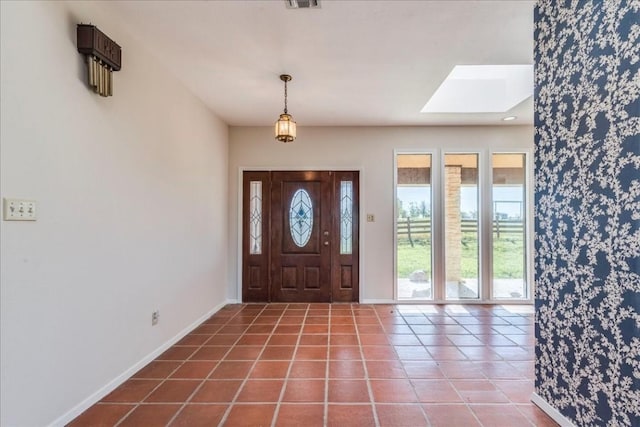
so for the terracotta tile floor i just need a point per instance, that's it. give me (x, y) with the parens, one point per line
(338, 365)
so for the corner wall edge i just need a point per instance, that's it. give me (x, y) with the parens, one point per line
(551, 411)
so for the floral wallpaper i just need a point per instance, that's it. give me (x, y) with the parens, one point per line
(587, 193)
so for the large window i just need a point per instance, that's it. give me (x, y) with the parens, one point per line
(413, 219)
(461, 226)
(509, 231)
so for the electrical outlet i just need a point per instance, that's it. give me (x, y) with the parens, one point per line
(155, 317)
(371, 218)
(19, 210)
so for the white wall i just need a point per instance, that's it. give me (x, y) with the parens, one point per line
(131, 194)
(368, 148)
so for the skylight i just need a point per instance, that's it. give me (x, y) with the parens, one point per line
(482, 89)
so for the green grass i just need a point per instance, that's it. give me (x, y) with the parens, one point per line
(508, 256)
(411, 259)
(507, 262)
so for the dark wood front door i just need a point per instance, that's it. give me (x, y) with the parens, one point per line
(300, 236)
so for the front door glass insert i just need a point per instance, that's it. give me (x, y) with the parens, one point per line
(301, 218)
(255, 218)
(346, 216)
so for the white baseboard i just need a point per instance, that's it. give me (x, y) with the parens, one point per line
(551, 411)
(113, 384)
(378, 301)
(413, 302)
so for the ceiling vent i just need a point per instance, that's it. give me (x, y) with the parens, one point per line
(302, 4)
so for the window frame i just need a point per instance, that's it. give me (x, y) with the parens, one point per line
(434, 218)
(528, 227)
(485, 226)
(481, 226)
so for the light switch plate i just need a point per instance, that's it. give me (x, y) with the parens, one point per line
(371, 218)
(19, 210)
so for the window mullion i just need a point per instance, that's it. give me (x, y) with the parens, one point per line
(439, 266)
(486, 224)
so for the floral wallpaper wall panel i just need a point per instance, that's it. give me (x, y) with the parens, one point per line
(587, 185)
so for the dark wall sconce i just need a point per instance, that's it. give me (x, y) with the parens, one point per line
(104, 56)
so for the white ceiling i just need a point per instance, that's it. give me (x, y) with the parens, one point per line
(353, 63)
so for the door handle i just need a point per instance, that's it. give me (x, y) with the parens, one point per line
(326, 243)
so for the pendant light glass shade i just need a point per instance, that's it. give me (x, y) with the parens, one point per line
(285, 126)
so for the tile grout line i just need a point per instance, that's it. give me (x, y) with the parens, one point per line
(466, 404)
(286, 377)
(244, 381)
(491, 381)
(128, 413)
(364, 365)
(204, 380)
(420, 405)
(140, 401)
(219, 362)
(329, 360)
(164, 380)
(325, 412)
(469, 404)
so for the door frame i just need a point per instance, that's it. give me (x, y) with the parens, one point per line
(361, 217)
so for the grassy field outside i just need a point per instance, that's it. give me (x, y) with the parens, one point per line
(508, 256)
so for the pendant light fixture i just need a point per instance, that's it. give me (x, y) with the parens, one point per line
(285, 126)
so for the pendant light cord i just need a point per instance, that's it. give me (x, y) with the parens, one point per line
(285, 97)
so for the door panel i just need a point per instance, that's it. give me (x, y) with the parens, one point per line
(300, 252)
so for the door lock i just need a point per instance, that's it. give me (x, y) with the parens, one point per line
(326, 233)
